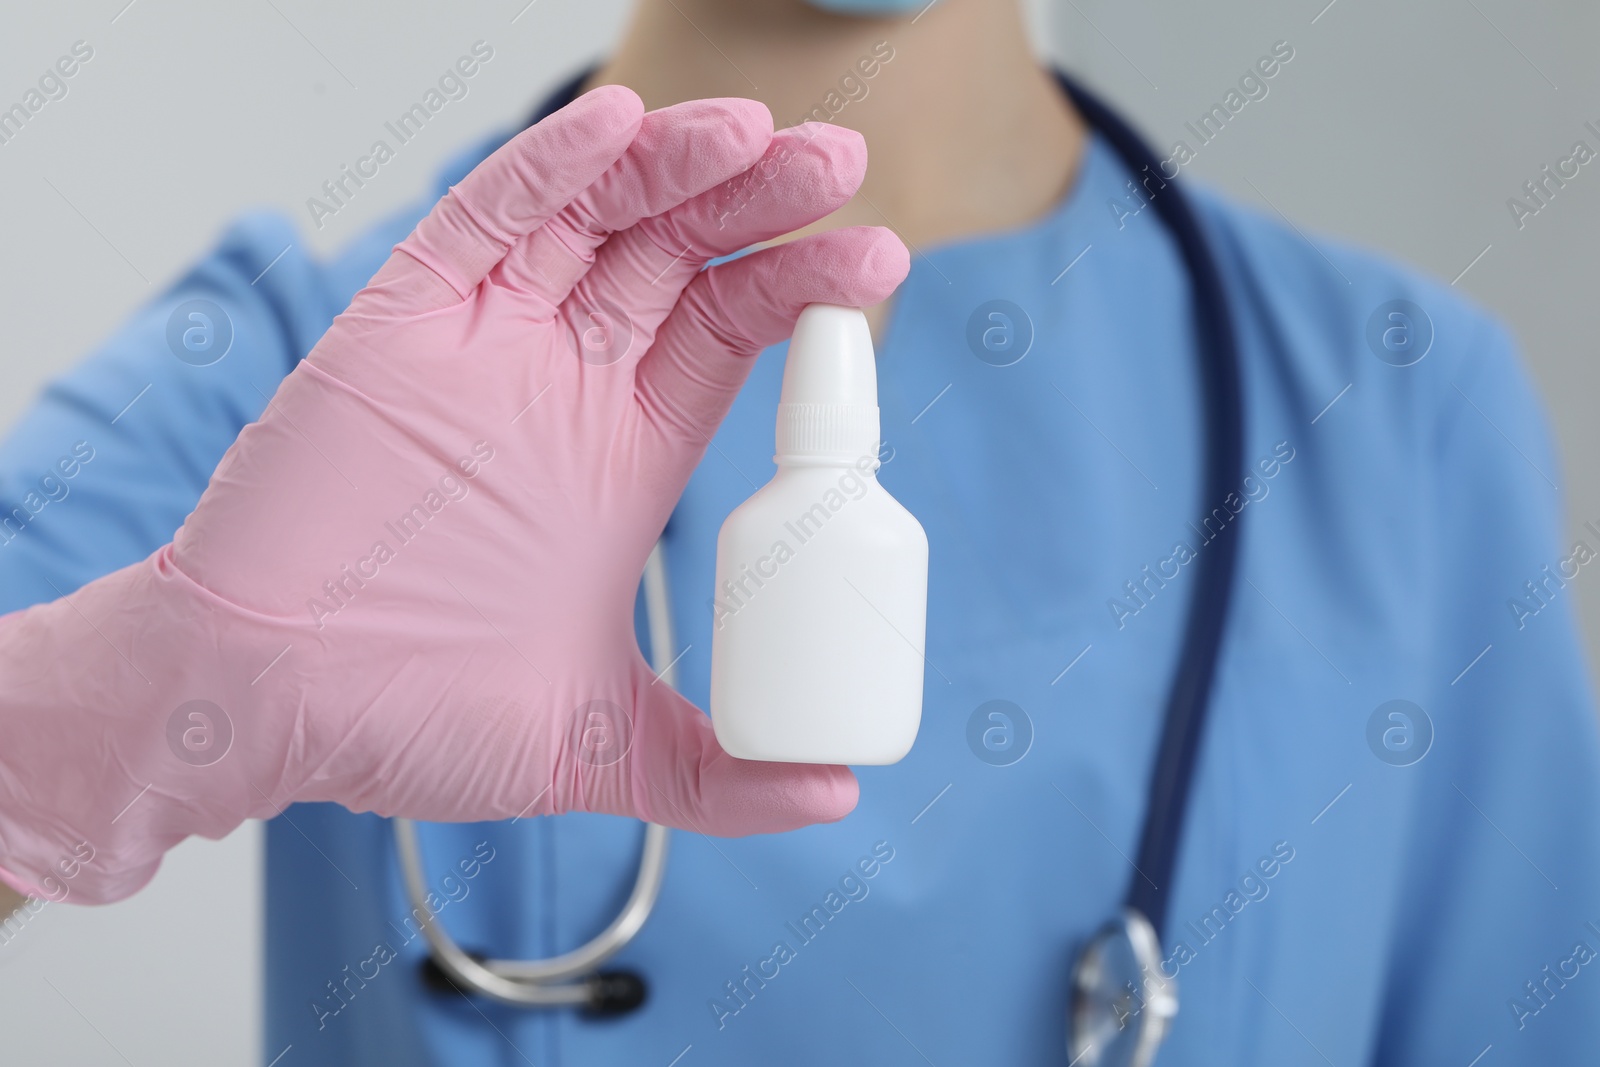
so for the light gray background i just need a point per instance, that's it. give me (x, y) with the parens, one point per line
(1403, 125)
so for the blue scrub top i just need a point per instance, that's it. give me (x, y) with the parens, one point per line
(1353, 888)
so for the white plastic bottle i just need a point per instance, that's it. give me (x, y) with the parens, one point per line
(820, 610)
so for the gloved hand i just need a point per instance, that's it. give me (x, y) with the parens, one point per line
(409, 587)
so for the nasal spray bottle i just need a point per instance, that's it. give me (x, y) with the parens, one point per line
(822, 576)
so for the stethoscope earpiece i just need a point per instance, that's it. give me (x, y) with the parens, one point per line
(434, 978)
(610, 994)
(613, 993)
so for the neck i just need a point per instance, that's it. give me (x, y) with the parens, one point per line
(967, 133)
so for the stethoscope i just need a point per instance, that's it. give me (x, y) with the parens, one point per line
(1121, 1001)
(572, 979)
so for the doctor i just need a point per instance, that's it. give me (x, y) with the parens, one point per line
(1352, 888)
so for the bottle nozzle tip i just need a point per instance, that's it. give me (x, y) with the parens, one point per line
(831, 358)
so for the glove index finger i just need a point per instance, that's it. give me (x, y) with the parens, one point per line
(730, 312)
(521, 186)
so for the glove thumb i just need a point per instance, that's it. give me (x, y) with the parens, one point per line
(675, 773)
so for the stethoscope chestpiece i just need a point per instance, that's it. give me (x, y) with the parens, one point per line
(1122, 1003)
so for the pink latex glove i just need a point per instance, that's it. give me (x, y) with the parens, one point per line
(409, 587)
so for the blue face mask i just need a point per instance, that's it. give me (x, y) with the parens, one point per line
(871, 8)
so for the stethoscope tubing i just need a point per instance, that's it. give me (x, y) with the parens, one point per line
(1188, 703)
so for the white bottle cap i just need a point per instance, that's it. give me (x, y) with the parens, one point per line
(828, 412)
